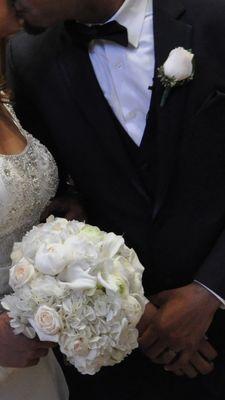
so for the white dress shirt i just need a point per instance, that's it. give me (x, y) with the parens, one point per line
(125, 73)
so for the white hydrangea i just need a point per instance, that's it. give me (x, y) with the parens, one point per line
(80, 287)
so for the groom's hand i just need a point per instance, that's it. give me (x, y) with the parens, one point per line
(201, 361)
(17, 351)
(183, 317)
(65, 206)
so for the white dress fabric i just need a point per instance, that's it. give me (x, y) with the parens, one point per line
(27, 182)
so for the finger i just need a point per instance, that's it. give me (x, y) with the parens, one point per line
(32, 363)
(201, 365)
(156, 349)
(180, 363)
(177, 347)
(166, 358)
(55, 207)
(207, 350)
(148, 338)
(159, 299)
(149, 313)
(46, 213)
(42, 345)
(190, 371)
(42, 353)
(179, 372)
(35, 343)
(34, 354)
(75, 214)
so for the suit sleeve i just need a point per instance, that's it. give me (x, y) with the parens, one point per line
(212, 272)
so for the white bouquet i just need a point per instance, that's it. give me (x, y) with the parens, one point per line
(79, 287)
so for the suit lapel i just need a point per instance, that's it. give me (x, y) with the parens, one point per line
(84, 89)
(169, 32)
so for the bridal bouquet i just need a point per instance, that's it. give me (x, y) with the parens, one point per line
(79, 287)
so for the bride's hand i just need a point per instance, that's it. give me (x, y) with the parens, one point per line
(9, 24)
(66, 206)
(17, 351)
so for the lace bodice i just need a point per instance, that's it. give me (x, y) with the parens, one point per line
(27, 182)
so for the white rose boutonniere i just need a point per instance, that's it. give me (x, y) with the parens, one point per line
(176, 71)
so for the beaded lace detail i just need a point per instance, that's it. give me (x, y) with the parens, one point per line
(27, 182)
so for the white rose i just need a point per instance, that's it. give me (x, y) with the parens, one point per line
(47, 324)
(21, 274)
(179, 64)
(72, 345)
(34, 239)
(51, 259)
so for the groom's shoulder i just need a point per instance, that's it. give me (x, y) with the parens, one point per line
(207, 17)
(204, 5)
(25, 49)
(201, 10)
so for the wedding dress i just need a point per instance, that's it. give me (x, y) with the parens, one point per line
(27, 182)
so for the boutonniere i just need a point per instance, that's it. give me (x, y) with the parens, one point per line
(176, 71)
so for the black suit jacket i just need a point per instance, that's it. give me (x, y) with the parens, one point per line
(181, 236)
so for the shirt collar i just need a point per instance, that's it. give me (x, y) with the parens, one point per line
(132, 15)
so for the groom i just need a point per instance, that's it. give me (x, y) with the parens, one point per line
(154, 173)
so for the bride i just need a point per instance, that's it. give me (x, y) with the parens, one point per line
(28, 180)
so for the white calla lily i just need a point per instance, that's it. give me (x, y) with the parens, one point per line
(76, 278)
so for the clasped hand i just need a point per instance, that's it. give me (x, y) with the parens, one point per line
(65, 207)
(173, 327)
(17, 351)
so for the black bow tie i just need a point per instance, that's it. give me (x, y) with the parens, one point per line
(84, 34)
